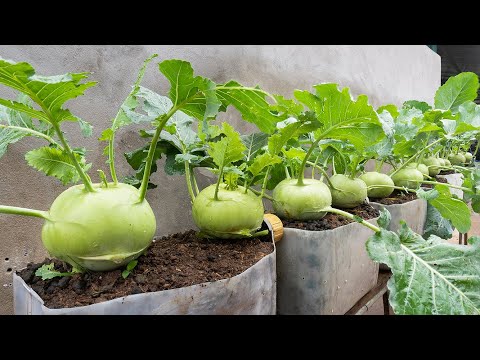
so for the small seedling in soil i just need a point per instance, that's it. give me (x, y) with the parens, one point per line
(131, 265)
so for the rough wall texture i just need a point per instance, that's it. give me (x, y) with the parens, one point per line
(386, 73)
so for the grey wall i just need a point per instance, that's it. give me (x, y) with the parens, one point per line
(386, 73)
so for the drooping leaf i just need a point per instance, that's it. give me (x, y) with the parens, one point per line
(450, 208)
(429, 276)
(229, 149)
(251, 103)
(55, 162)
(436, 224)
(457, 90)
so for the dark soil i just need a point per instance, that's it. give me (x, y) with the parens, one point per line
(171, 262)
(332, 221)
(397, 197)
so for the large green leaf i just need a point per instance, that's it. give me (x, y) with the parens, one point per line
(55, 162)
(420, 105)
(429, 276)
(457, 90)
(251, 103)
(195, 94)
(48, 92)
(450, 208)
(341, 116)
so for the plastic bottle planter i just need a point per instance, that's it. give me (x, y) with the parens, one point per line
(414, 213)
(324, 272)
(454, 179)
(251, 292)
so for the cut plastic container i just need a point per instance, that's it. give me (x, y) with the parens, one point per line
(251, 292)
(324, 272)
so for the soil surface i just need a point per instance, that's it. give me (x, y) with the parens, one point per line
(171, 262)
(397, 197)
(332, 221)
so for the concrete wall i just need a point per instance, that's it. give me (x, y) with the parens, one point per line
(386, 73)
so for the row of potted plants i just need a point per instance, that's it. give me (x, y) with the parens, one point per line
(325, 263)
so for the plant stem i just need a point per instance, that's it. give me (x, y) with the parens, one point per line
(220, 176)
(194, 180)
(323, 172)
(264, 185)
(287, 174)
(389, 186)
(23, 211)
(352, 217)
(189, 181)
(414, 156)
(111, 159)
(449, 185)
(85, 178)
(32, 132)
(266, 196)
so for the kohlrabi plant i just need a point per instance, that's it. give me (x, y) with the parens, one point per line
(95, 226)
(230, 208)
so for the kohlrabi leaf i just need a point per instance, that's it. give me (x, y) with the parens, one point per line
(470, 113)
(229, 149)
(388, 124)
(254, 142)
(130, 103)
(194, 94)
(262, 161)
(287, 106)
(429, 276)
(48, 92)
(450, 208)
(457, 90)
(341, 116)
(47, 272)
(392, 109)
(251, 103)
(55, 162)
(420, 105)
(436, 224)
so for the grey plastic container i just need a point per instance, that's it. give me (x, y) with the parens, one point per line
(413, 212)
(253, 292)
(323, 272)
(454, 179)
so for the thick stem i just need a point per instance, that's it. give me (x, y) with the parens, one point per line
(153, 145)
(414, 156)
(323, 172)
(352, 217)
(287, 174)
(111, 159)
(32, 132)
(219, 181)
(189, 180)
(23, 211)
(85, 178)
